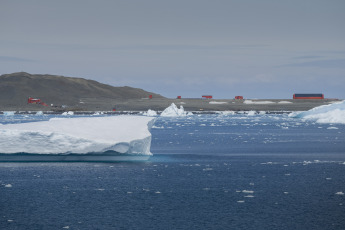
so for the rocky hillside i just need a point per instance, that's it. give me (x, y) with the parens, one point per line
(16, 88)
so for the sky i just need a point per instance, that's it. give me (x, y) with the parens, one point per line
(256, 49)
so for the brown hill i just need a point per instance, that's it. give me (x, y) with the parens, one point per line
(16, 88)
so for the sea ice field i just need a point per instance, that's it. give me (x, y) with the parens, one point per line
(210, 171)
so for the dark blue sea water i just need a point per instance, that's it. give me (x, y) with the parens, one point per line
(207, 172)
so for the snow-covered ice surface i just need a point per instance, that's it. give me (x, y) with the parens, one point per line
(120, 134)
(258, 102)
(333, 113)
(218, 102)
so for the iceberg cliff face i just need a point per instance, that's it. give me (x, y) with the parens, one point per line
(333, 113)
(120, 134)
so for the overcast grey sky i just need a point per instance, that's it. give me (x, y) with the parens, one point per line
(254, 48)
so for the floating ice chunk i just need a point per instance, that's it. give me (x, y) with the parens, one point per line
(332, 127)
(8, 186)
(122, 134)
(247, 191)
(225, 113)
(9, 113)
(173, 111)
(333, 113)
(251, 113)
(240, 201)
(339, 193)
(39, 113)
(69, 113)
(150, 113)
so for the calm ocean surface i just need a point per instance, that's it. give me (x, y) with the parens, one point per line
(206, 172)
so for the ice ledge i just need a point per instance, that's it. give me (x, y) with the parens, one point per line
(96, 135)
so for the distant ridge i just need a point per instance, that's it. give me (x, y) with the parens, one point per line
(16, 88)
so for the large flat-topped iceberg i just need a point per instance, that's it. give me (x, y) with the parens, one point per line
(96, 135)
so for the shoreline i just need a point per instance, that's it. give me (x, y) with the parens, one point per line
(135, 106)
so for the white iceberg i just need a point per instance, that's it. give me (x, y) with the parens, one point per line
(226, 113)
(150, 113)
(251, 113)
(333, 113)
(115, 134)
(173, 111)
(69, 113)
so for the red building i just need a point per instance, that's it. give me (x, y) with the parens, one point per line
(308, 96)
(207, 96)
(239, 97)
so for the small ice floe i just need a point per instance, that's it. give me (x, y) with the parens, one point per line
(217, 102)
(225, 113)
(332, 127)
(158, 192)
(267, 163)
(247, 191)
(66, 227)
(9, 113)
(9, 220)
(129, 192)
(328, 178)
(249, 196)
(252, 184)
(207, 169)
(251, 113)
(100, 189)
(69, 113)
(287, 174)
(339, 193)
(240, 201)
(8, 186)
(286, 193)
